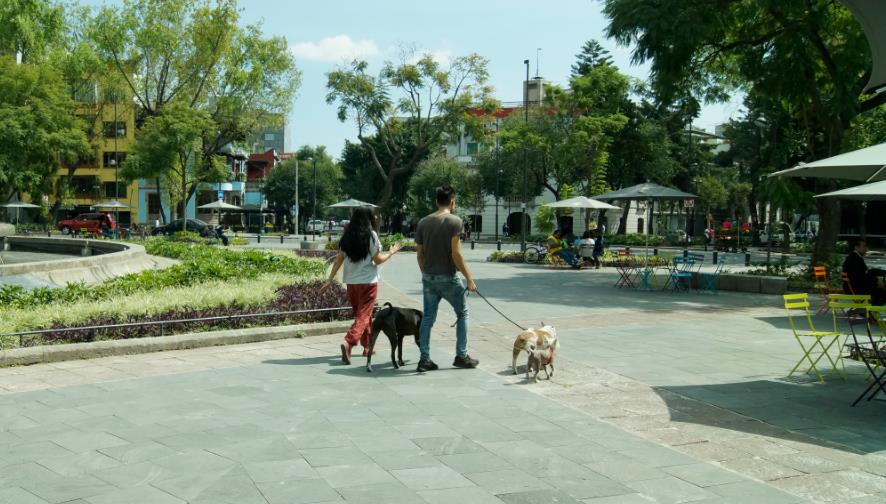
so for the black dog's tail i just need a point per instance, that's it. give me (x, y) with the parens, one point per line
(389, 305)
(386, 306)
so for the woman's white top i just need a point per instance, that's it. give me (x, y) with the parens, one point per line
(364, 271)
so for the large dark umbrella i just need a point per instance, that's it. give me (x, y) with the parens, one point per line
(646, 192)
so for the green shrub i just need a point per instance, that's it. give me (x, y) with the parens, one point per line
(634, 240)
(504, 256)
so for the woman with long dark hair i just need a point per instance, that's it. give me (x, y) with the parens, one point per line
(360, 252)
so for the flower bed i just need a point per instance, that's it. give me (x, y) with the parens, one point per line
(306, 296)
(502, 256)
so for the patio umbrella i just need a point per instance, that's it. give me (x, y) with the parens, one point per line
(220, 205)
(647, 192)
(871, 15)
(20, 204)
(582, 202)
(865, 192)
(352, 203)
(111, 204)
(868, 165)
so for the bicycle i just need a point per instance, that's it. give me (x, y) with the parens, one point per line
(535, 254)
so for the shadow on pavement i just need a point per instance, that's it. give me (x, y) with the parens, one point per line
(798, 409)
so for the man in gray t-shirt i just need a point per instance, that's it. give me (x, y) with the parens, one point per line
(437, 238)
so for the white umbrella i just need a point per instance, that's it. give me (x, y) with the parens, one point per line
(220, 205)
(868, 165)
(111, 204)
(20, 204)
(865, 192)
(352, 203)
(582, 202)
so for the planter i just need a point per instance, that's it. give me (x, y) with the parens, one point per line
(312, 245)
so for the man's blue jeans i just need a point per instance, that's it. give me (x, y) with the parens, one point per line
(450, 288)
(567, 256)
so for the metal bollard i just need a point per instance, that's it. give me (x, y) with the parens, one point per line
(715, 257)
(747, 259)
(472, 244)
(685, 253)
(498, 245)
(49, 233)
(654, 251)
(281, 239)
(259, 237)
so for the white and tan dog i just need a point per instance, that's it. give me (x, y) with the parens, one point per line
(542, 357)
(531, 340)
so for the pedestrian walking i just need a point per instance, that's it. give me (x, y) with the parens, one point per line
(440, 259)
(360, 251)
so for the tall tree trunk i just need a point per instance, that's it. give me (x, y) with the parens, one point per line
(160, 201)
(623, 221)
(829, 227)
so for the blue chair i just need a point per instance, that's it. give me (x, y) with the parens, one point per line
(707, 282)
(681, 274)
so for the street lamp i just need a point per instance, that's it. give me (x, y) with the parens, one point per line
(296, 195)
(525, 161)
(497, 177)
(314, 196)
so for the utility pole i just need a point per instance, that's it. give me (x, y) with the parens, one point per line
(296, 195)
(314, 211)
(497, 177)
(525, 159)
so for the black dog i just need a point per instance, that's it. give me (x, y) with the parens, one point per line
(396, 323)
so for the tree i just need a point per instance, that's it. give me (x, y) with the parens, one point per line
(37, 128)
(592, 55)
(29, 28)
(812, 55)
(436, 172)
(193, 53)
(168, 148)
(432, 101)
(281, 183)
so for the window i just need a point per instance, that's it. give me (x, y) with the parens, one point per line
(473, 148)
(84, 92)
(206, 197)
(269, 137)
(84, 185)
(115, 129)
(112, 159)
(153, 203)
(109, 190)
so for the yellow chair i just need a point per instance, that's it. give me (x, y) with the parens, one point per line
(797, 306)
(841, 306)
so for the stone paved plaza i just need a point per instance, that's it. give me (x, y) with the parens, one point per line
(656, 398)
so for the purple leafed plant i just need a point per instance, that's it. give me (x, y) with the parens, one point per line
(306, 296)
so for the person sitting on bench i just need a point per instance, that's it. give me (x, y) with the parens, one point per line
(861, 279)
(556, 247)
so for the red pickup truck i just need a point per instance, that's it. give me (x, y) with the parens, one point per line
(95, 223)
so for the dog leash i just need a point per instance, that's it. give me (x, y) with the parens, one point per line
(494, 308)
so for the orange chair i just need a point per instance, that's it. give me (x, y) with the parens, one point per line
(823, 285)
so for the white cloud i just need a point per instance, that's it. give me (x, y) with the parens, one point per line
(337, 49)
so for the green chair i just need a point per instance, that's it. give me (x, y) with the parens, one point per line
(797, 306)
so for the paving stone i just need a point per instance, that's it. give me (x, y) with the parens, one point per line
(472, 495)
(431, 478)
(703, 475)
(507, 481)
(474, 462)
(17, 495)
(67, 488)
(388, 493)
(280, 470)
(141, 494)
(670, 490)
(321, 457)
(79, 463)
(447, 445)
(751, 491)
(397, 459)
(537, 497)
(760, 468)
(355, 475)
(298, 492)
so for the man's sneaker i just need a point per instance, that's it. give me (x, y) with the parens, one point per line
(426, 365)
(465, 362)
(346, 353)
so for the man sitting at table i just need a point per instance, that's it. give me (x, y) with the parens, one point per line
(862, 279)
(558, 248)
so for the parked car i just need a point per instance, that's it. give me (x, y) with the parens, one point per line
(315, 226)
(778, 236)
(195, 225)
(95, 223)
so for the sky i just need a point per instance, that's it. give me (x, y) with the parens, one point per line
(325, 34)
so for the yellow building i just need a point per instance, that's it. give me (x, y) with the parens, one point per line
(92, 181)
